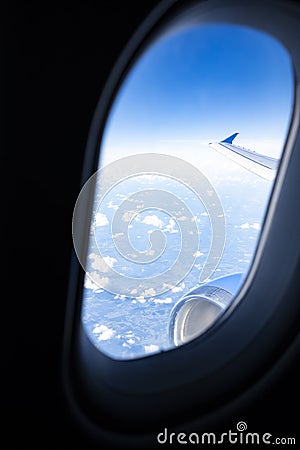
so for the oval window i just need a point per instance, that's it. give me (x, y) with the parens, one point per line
(187, 163)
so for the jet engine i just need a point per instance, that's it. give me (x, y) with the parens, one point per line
(197, 310)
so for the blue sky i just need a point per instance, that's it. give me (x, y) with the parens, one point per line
(201, 85)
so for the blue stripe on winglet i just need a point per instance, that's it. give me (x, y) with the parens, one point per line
(230, 138)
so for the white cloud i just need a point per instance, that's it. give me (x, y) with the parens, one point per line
(127, 217)
(141, 299)
(151, 348)
(111, 205)
(101, 220)
(171, 226)
(100, 281)
(119, 297)
(149, 292)
(109, 260)
(167, 286)
(178, 288)
(104, 332)
(197, 254)
(99, 263)
(88, 284)
(246, 226)
(165, 300)
(153, 220)
(116, 235)
(205, 214)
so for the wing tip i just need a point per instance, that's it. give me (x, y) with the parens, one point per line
(230, 139)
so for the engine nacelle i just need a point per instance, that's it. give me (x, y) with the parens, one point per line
(197, 310)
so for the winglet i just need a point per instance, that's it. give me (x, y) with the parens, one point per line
(230, 138)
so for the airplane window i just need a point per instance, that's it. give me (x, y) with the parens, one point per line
(187, 163)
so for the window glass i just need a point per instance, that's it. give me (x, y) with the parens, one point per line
(187, 163)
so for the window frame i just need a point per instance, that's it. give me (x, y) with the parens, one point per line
(252, 334)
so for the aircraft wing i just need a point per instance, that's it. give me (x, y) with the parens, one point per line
(262, 165)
